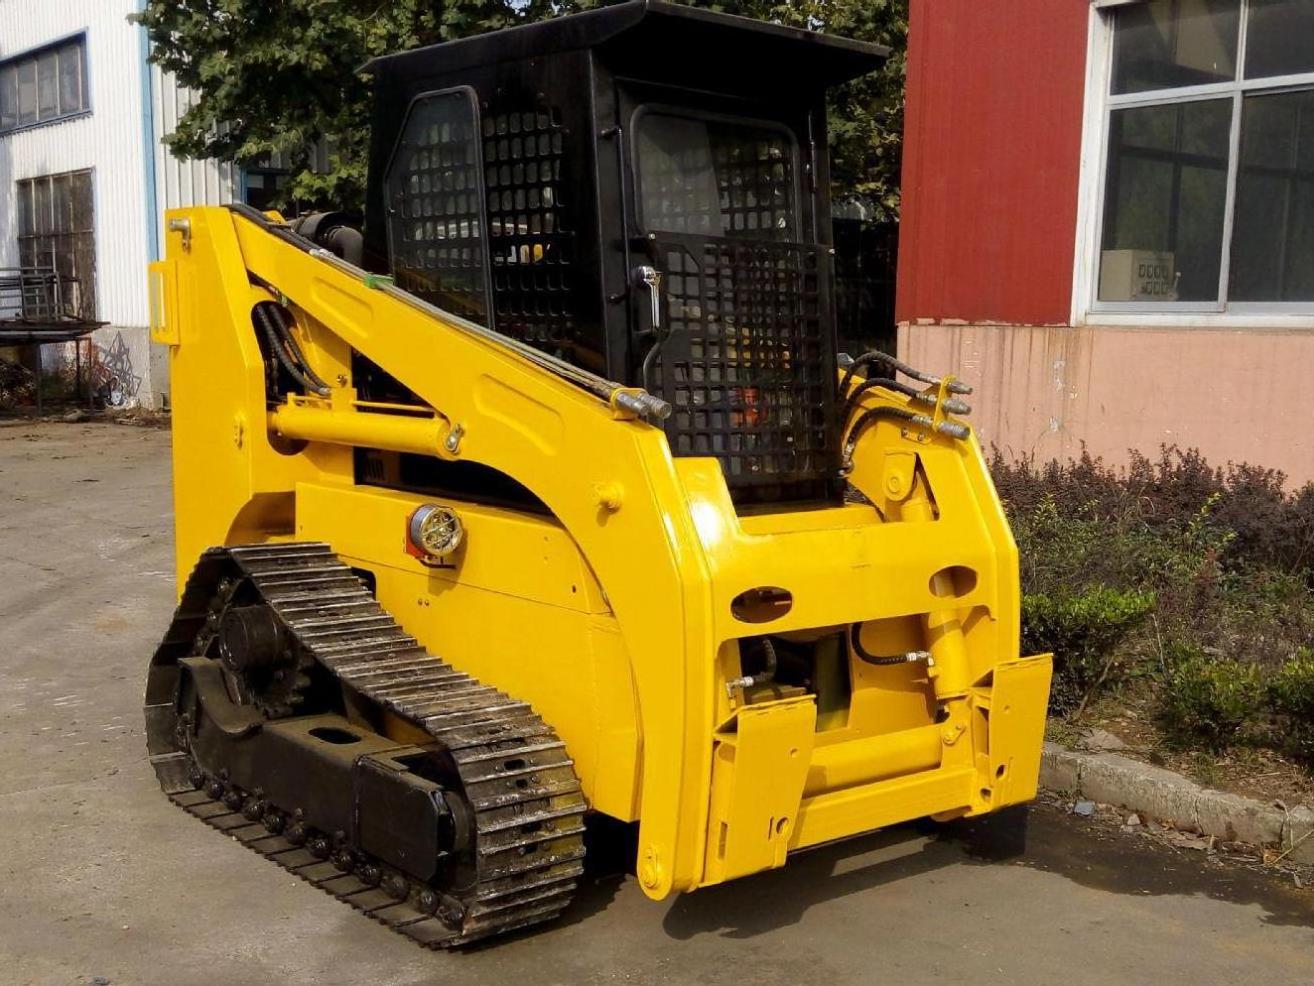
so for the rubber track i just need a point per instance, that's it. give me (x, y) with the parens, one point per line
(518, 780)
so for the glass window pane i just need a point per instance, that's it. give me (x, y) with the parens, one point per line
(27, 92)
(1279, 38)
(716, 177)
(25, 208)
(70, 78)
(8, 98)
(1169, 43)
(1273, 230)
(435, 190)
(1164, 200)
(61, 204)
(83, 216)
(48, 86)
(41, 206)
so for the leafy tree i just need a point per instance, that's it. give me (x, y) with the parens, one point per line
(280, 76)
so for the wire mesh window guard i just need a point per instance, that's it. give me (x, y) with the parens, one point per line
(744, 363)
(435, 205)
(531, 228)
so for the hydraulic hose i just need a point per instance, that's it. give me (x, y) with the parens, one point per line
(953, 405)
(649, 361)
(898, 366)
(950, 428)
(281, 321)
(767, 674)
(855, 640)
(276, 344)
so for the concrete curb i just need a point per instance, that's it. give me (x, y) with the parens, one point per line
(1161, 794)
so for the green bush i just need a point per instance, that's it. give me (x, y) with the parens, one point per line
(1082, 630)
(1208, 701)
(1291, 696)
(1266, 523)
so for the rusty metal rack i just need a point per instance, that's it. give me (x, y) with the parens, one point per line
(39, 306)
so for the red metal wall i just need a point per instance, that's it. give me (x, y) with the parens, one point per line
(992, 142)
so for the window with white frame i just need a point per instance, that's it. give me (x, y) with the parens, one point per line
(44, 85)
(1208, 171)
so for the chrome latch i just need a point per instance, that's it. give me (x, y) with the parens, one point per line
(651, 278)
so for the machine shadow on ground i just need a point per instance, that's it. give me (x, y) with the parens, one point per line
(779, 898)
(1040, 837)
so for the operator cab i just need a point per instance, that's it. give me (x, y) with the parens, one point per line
(642, 190)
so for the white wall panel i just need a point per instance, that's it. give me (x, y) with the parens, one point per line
(182, 183)
(110, 141)
(135, 177)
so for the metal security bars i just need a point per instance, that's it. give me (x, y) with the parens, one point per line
(532, 228)
(747, 367)
(435, 199)
(56, 230)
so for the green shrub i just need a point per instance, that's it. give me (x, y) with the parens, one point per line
(1208, 701)
(1266, 523)
(1082, 630)
(1291, 696)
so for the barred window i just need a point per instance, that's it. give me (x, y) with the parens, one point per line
(435, 193)
(56, 232)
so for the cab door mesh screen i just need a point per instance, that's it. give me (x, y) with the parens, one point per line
(435, 206)
(717, 177)
(746, 355)
(532, 227)
(745, 364)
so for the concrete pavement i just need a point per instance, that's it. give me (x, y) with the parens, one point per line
(101, 877)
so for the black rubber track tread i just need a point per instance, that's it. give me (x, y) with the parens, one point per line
(523, 794)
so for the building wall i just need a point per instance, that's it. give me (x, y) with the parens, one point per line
(134, 177)
(108, 140)
(989, 240)
(1049, 391)
(181, 183)
(992, 140)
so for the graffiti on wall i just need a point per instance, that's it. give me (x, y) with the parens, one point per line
(101, 368)
(113, 376)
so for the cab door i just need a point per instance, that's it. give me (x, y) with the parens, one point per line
(730, 288)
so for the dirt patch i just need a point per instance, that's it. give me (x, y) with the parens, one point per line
(1180, 855)
(138, 417)
(1251, 771)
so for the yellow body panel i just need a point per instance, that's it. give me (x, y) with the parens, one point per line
(613, 613)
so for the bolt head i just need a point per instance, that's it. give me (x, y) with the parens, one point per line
(369, 874)
(451, 913)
